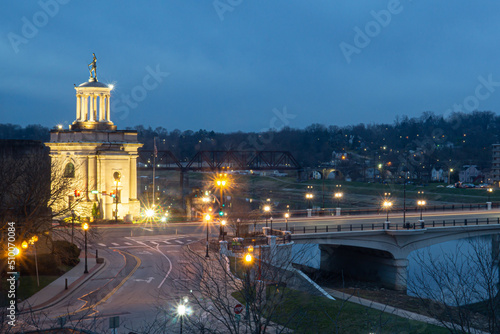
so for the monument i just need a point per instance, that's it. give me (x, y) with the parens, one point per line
(101, 159)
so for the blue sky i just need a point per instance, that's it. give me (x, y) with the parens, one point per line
(240, 65)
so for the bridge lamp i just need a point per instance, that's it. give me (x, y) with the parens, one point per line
(309, 197)
(421, 204)
(338, 196)
(267, 210)
(287, 215)
(387, 205)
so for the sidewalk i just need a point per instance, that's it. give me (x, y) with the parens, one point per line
(55, 291)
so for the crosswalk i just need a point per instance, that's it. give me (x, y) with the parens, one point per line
(147, 241)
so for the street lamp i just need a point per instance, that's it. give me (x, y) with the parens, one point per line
(387, 205)
(267, 209)
(309, 198)
(117, 176)
(449, 175)
(207, 218)
(33, 241)
(287, 215)
(222, 224)
(490, 190)
(338, 196)
(85, 227)
(221, 182)
(248, 262)
(421, 204)
(182, 311)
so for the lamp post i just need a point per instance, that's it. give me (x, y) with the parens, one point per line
(449, 175)
(221, 182)
(182, 311)
(267, 209)
(72, 225)
(248, 263)
(85, 227)
(33, 241)
(421, 204)
(309, 197)
(117, 176)
(387, 205)
(287, 215)
(490, 190)
(222, 224)
(207, 218)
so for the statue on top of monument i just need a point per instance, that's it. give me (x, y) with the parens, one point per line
(93, 68)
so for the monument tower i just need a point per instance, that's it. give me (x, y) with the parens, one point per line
(101, 159)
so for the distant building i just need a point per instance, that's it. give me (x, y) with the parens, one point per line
(495, 165)
(469, 174)
(437, 175)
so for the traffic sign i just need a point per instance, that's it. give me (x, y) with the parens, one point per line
(238, 309)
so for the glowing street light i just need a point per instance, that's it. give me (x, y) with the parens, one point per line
(182, 311)
(149, 213)
(338, 196)
(421, 204)
(267, 210)
(85, 227)
(387, 205)
(207, 218)
(490, 190)
(287, 215)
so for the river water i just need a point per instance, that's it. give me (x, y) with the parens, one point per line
(456, 272)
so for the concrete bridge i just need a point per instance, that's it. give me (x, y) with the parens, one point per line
(381, 254)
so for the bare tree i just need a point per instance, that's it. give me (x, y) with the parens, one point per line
(460, 289)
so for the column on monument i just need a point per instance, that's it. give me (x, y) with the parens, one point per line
(85, 106)
(108, 118)
(78, 107)
(91, 108)
(91, 180)
(101, 107)
(133, 177)
(95, 107)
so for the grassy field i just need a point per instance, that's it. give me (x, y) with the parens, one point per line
(305, 313)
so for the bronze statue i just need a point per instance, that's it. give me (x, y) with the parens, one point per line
(93, 68)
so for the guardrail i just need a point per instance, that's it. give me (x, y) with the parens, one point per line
(392, 226)
(320, 212)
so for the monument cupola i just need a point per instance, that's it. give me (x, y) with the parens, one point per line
(93, 110)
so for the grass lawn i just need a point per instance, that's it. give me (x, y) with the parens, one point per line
(28, 286)
(305, 313)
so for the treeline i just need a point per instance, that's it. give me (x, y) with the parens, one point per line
(423, 142)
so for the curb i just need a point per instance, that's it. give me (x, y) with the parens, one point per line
(71, 288)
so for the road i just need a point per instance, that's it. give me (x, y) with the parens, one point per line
(144, 263)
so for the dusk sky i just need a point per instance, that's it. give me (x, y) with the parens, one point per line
(240, 65)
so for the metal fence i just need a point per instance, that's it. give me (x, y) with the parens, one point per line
(393, 226)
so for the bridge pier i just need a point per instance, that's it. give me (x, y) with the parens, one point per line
(366, 265)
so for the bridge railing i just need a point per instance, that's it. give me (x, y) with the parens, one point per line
(323, 212)
(393, 226)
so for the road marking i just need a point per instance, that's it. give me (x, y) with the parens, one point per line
(189, 240)
(154, 242)
(103, 245)
(144, 280)
(128, 243)
(115, 244)
(147, 229)
(180, 242)
(168, 243)
(112, 292)
(145, 253)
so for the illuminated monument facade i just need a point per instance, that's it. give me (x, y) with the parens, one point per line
(101, 159)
